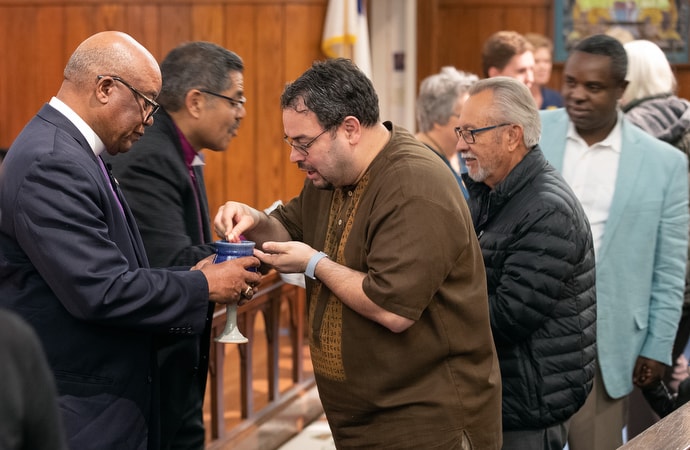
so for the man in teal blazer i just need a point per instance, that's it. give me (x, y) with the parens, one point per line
(641, 209)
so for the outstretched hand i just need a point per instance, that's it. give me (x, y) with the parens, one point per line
(233, 219)
(286, 257)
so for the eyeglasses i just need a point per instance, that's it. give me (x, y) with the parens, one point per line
(468, 135)
(302, 148)
(149, 104)
(234, 102)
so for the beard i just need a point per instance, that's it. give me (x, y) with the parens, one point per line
(478, 173)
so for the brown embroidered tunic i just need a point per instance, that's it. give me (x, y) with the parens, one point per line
(406, 225)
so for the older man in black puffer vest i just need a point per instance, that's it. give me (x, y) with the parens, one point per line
(537, 248)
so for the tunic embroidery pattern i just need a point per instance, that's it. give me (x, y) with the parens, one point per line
(326, 311)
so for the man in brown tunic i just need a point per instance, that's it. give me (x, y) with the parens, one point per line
(398, 311)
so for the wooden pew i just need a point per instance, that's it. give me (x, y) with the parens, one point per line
(670, 433)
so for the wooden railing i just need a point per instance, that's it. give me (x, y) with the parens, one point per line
(670, 433)
(268, 302)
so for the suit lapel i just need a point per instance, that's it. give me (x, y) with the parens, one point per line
(132, 227)
(553, 143)
(203, 204)
(629, 166)
(51, 115)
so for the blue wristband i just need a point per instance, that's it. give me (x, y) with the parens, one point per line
(311, 265)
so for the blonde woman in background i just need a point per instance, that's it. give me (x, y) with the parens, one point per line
(543, 63)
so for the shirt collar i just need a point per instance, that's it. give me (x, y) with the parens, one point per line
(612, 141)
(96, 144)
(191, 156)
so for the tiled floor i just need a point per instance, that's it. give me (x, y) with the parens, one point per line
(316, 436)
(293, 428)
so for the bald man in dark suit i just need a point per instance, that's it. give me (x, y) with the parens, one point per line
(72, 262)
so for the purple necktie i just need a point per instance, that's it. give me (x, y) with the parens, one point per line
(109, 179)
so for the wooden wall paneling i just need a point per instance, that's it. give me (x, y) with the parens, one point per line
(175, 26)
(270, 159)
(5, 70)
(486, 21)
(78, 25)
(303, 49)
(428, 39)
(235, 176)
(51, 58)
(461, 34)
(493, 18)
(23, 70)
(462, 26)
(240, 163)
(110, 16)
(208, 23)
(544, 22)
(522, 19)
(301, 37)
(144, 25)
(8, 76)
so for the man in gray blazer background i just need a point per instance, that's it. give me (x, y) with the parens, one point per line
(634, 190)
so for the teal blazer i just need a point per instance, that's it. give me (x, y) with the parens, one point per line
(641, 263)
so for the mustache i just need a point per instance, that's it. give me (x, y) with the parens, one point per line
(307, 168)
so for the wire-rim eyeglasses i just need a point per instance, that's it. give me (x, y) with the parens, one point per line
(150, 105)
(302, 148)
(234, 102)
(468, 135)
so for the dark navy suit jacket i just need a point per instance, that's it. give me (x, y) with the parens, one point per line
(75, 268)
(173, 219)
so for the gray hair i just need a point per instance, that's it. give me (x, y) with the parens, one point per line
(438, 94)
(196, 65)
(512, 103)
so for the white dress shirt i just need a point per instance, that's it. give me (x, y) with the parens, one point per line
(91, 137)
(591, 172)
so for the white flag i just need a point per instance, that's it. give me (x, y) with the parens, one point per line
(346, 33)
